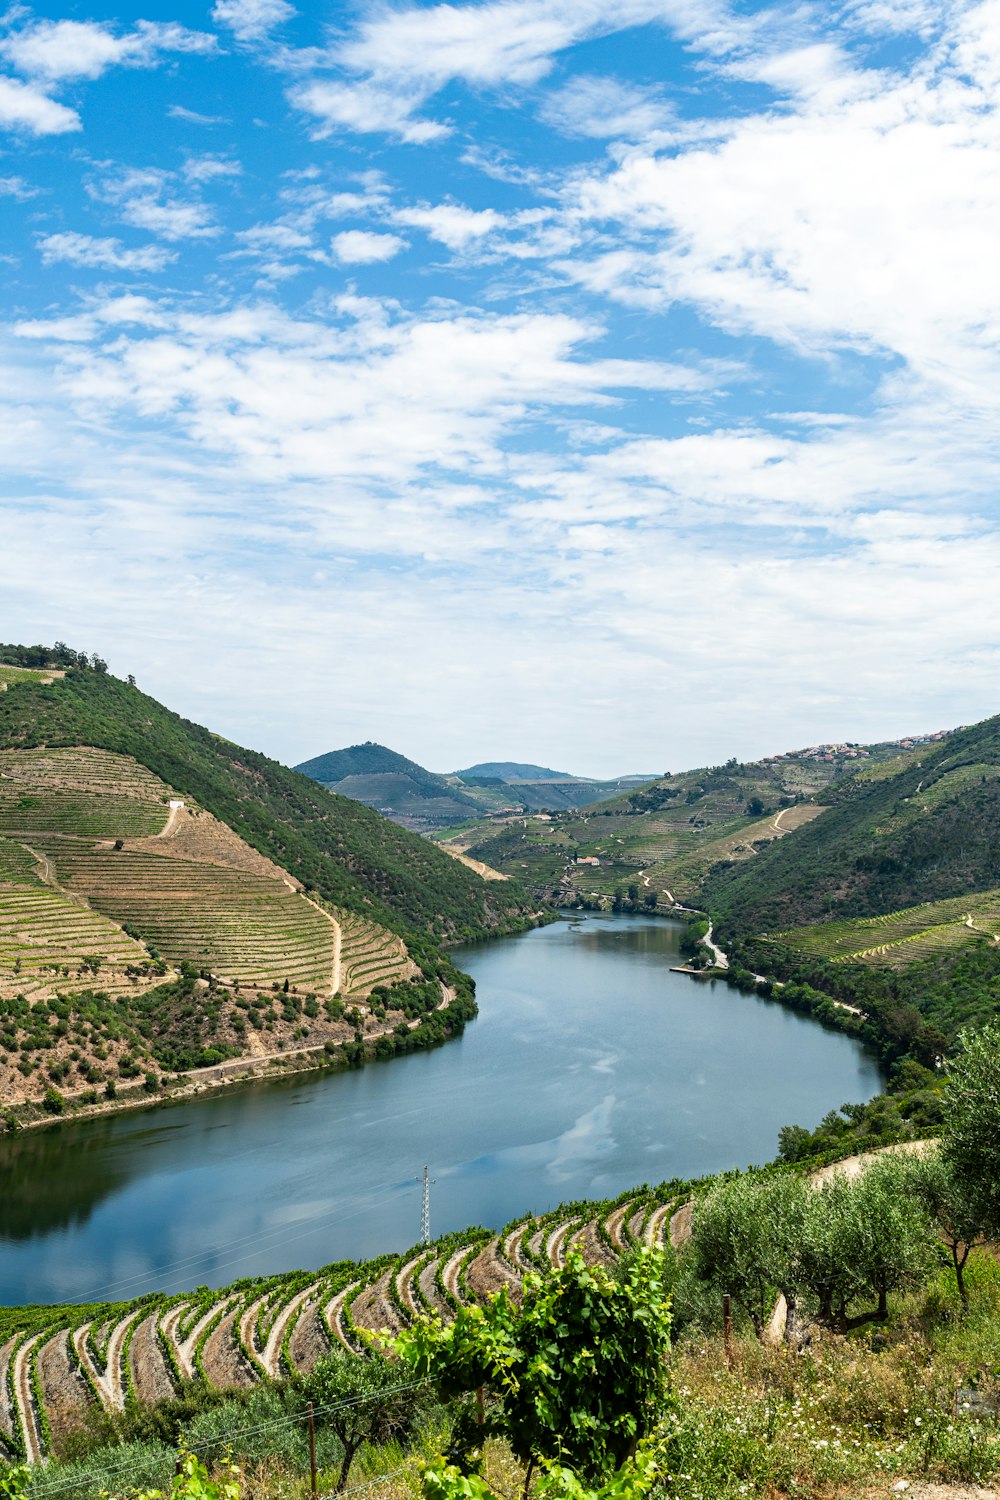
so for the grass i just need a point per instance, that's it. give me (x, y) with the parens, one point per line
(9, 674)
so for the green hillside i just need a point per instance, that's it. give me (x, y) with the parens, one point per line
(399, 788)
(347, 853)
(665, 835)
(514, 770)
(924, 827)
(371, 759)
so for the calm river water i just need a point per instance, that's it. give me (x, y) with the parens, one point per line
(591, 1068)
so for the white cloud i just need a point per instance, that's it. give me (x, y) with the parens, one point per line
(16, 187)
(366, 108)
(23, 107)
(109, 254)
(362, 247)
(252, 20)
(143, 198)
(602, 107)
(863, 215)
(401, 57)
(452, 223)
(60, 50)
(180, 112)
(210, 168)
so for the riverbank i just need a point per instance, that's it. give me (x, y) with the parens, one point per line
(591, 1067)
(375, 1044)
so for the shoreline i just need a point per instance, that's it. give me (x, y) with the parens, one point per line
(181, 1087)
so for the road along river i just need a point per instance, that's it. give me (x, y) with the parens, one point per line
(591, 1068)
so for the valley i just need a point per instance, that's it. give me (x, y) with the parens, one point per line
(592, 1032)
(187, 924)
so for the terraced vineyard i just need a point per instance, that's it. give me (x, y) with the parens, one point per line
(45, 937)
(900, 938)
(370, 955)
(57, 1362)
(79, 792)
(241, 926)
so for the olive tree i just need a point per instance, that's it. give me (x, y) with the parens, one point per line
(971, 1136)
(361, 1400)
(953, 1203)
(746, 1236)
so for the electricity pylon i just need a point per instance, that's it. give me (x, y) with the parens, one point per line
(425, 1206)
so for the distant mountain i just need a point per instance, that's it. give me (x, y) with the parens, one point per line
(369, 759)
(399, 788)
(513, 770)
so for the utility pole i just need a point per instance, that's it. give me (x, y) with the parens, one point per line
(425, 1206)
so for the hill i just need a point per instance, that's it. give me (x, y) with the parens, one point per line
(921, 827)
(664, 838)
(427, 802)
(512, 770)
(331, 844)
(139, 852)
(399, 788)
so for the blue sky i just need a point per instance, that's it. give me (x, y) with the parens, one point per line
(608, 385)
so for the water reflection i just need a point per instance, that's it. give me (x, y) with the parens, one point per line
(592, 1067)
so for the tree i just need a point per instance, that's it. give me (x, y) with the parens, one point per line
(971, 1137)
(577, 1373)
(361, 1401)
(745, 1240)
(948, 1199)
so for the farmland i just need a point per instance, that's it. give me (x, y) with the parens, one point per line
(901, 938)
(58, 1363)
(240, 926)
(108, 880)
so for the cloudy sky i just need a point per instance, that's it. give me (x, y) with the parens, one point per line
(608, 383)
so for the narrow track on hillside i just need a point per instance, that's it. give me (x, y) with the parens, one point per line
(31, 1430)
(271, 1356)
(111, 1384)
(335, 1319)
(404, 1285)
(338, 940)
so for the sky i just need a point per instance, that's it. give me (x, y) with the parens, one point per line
(612, 384)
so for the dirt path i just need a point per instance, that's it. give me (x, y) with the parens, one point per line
(555, 1247)
(34, 1447)
(973, 927)
(450, 1270)
(512, 1247)
(172, 821)
(337, 943)
(615, 1223)
(271, 1357)
(248, 1330)
(333, 1316)
(721, 961)
(656, 1224)
(112, 1385)
(404, 1285)
(184, 1348)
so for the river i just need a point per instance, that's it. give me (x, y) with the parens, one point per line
(591, 1068)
